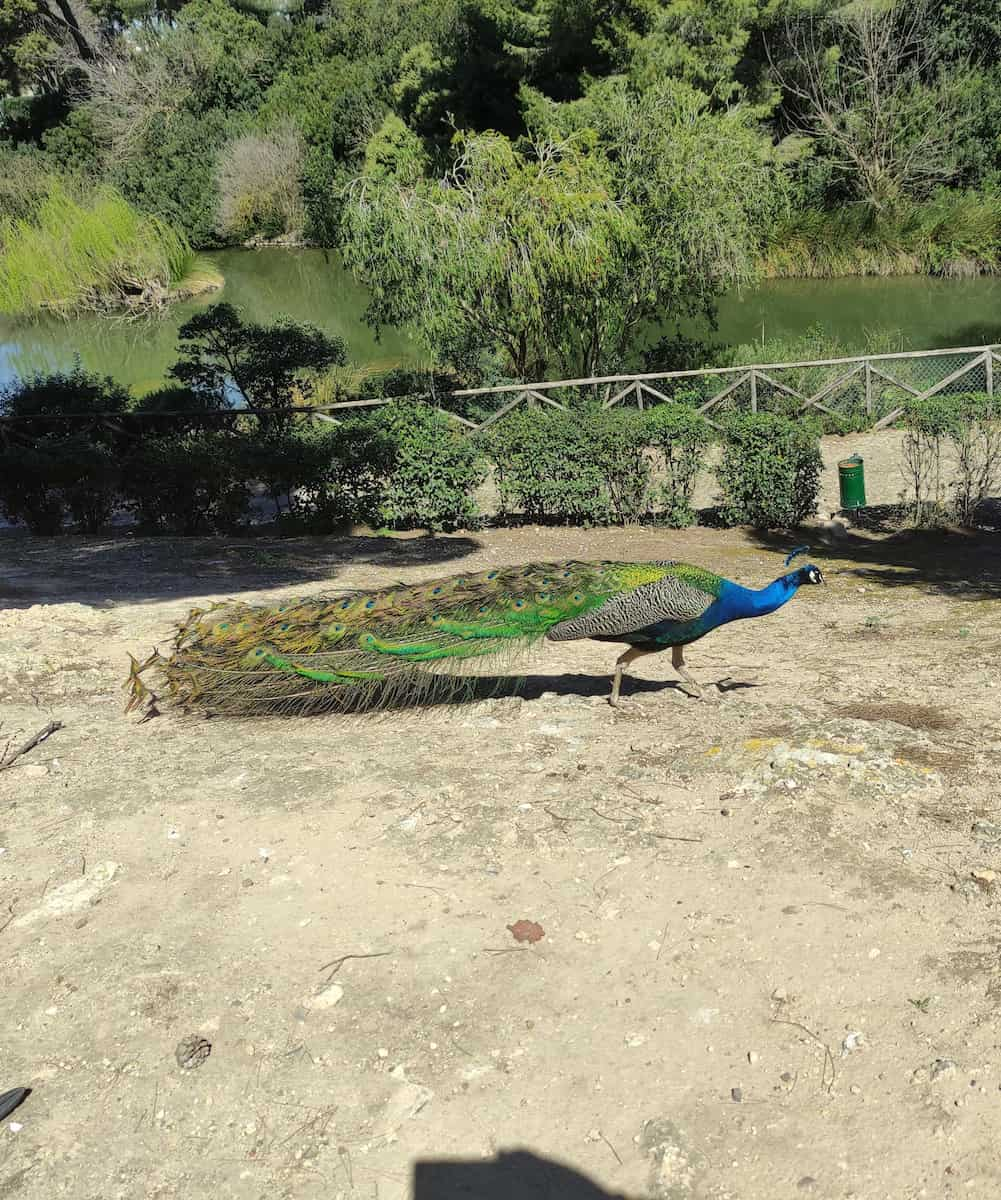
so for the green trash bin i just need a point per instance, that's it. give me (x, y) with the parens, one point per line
(851, 478)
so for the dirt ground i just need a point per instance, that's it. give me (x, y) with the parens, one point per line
(770, 962)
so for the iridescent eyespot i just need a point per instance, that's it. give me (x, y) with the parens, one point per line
(492, 574)
(436, 591)
(345, 604)
(370, 604)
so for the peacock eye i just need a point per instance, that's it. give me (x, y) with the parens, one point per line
(346, 604)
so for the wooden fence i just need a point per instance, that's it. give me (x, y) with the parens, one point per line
(870, 391)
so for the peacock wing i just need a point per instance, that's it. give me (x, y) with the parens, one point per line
(683, 593)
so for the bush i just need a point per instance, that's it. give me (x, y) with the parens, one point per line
(969, 425)
(770, 471)
(295, 466)
(188, 483)
(57, 477)
(70, 470)
(407, 466)
(259, 185)
(588, 466)
(976, 439)
(434, 470)
(682, 436)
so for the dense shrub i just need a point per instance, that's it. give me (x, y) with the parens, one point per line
(407, 466)
(587, 466)
(682, 435)
(59, 478)
(770, 470)
(187, 483)
(295, 466)
(69, 471)
(259, 185)
(435, 470)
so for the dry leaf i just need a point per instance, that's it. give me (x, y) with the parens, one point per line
(526, 931)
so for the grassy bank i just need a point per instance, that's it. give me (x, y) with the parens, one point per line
(96, 253)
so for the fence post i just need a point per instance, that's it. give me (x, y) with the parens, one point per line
(639, 397)
(868, 388)
(989, 367)
(754, 391)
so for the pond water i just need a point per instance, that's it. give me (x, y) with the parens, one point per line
(311, 285)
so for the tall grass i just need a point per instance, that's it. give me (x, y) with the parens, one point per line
(956, 234)
(95, 253)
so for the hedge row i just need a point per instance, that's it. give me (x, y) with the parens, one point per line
(408, 466)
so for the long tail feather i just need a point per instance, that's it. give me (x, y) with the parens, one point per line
(373, 649)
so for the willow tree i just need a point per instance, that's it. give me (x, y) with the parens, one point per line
(513, 254)
(561, 253)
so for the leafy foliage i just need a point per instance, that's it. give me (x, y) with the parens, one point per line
(269, 366)
(682, 435)
(187, 483)
(585, 467)
(769, 474)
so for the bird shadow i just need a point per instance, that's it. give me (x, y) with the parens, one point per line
(512, 1175)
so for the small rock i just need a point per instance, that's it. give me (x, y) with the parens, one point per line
(192, 1051)
(326, 999)
(984, 879)
(943, 1068)
(806, 1182)
(852, 1043)
(855, 1090)
(736, 1095)
(987, 829)
(35, 771)
(752, 1057)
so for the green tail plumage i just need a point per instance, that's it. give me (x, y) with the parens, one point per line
(375, 649)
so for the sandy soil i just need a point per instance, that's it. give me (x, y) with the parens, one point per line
(770, 962)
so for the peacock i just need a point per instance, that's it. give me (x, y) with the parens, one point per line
(411, 645)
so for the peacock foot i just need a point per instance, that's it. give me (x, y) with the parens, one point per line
(628, 708)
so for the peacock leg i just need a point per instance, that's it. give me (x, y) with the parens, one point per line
(693, 688)
(622, 661)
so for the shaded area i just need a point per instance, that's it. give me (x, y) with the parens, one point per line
(964, 566)
(517, 1175)
(102, 571)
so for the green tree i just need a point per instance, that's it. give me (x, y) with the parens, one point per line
(513, 254)
(270, 366)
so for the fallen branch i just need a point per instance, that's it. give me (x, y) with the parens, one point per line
(9, 757)
(337, 963)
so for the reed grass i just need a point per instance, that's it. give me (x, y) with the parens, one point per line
(94, 253)
(953, 234)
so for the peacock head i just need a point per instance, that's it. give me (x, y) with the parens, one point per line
(807, 574)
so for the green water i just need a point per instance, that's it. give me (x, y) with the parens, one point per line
(310, 285)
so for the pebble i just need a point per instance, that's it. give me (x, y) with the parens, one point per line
(852, 1043)
(752, 1057)
(943, 1068)
(326, 999)
(35, 771)
(736, 1094)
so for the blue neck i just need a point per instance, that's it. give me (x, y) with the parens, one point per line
(736, 602)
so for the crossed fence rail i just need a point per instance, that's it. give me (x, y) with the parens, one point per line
(870, 391)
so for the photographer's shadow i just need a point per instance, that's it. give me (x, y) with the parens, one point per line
(514, 1175)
